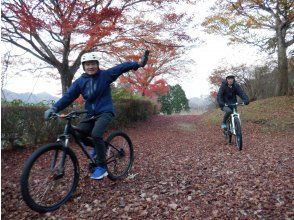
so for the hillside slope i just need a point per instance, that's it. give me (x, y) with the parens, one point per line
(275, 113)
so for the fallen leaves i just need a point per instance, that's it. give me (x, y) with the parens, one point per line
(178, 174)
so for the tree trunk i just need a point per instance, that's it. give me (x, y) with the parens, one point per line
(66, 80)
(282, 76)
(291, 75)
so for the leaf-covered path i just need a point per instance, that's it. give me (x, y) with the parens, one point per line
(183, 170)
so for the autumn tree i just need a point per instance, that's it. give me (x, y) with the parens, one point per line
(5, 62)
(242, 73)
(257, 81)
(164, 62)
(58, 33)
(265, 23)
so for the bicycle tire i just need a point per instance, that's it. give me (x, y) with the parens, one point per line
(228, 132)
(239, 141)
(115, 154)
(56, 149)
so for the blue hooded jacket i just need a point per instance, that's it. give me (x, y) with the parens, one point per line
(95, 89)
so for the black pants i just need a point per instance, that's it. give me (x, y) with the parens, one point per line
(228, 111)
(96, 129)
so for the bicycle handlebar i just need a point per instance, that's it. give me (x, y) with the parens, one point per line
(235, 104)
(73, 114)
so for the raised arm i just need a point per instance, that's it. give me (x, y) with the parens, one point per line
(116, 71)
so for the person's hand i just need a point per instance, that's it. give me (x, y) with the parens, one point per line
(49, 112)
(144, 59)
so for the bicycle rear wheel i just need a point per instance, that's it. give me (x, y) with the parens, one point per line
(119, 155)
(44, 186)
(239, 141)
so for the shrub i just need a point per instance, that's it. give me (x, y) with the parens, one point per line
(24, 124)
(132, 110)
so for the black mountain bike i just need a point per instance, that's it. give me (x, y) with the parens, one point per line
(234, 127)
(51, 174)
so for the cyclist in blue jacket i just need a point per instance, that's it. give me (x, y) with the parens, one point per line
(227, 94)
(94, 86)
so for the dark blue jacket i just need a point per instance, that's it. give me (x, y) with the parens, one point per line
(95, 89)
(227, 95)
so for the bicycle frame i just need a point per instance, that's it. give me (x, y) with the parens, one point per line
(64, 140)
(234, 115)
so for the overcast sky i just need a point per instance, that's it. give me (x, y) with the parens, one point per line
(213, 53)
(210, 54)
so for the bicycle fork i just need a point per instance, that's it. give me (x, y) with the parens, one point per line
(61, 163)
(233, 116)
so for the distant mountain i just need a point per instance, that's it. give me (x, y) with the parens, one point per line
(204, 102)
(28, 97)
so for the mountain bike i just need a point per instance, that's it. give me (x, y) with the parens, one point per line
(234, 127)
(51, 174)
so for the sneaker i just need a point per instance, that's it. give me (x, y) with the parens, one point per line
(99, 173)
(223, 126)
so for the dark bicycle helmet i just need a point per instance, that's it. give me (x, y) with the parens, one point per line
(230, 77)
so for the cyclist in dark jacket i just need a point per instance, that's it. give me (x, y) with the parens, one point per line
(227, 94)
(94, 86)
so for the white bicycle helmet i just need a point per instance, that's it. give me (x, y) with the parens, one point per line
(89, 57)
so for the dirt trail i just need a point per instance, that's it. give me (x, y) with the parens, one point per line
(183, 170)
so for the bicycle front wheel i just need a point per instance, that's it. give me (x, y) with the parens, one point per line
(239, 141)
(228, 134)
(49, 177)
(119, 155)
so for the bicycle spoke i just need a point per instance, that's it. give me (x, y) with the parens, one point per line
(42, 196)
(41, 187)
(120, 156)
(115, 166)
(46, 183)
(49, 182)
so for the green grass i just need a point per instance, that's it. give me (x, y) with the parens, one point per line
(275, 113)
